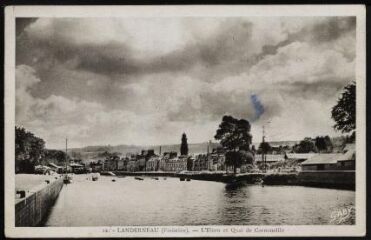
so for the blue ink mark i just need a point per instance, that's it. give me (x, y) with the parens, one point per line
(259, 108)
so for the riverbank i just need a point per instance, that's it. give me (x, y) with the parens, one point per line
(34, 196)
(325, 179)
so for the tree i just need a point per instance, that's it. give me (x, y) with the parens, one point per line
(55, 156)
(234, 135)
(344, 112)
(323, 144)
(29, 150)
(305, 146)
(264, 147)
(184, 145)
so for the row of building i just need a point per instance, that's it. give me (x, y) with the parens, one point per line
(148, 161)
(168, 162)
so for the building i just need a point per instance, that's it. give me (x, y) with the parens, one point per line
(96, 166)
(131, 165)
(153, 163)
(299, 157)
(111, 163)
(201, 163)
(56, 168)
(162, 164)
(331, 161)
(176, 164)
(216, 161)
(348, 162)
(140, 163)
(121, 164)
(190, 163)
(269, 158)
(77, 168)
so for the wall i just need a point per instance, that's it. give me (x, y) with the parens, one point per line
(33, 209)
(329, 179)
(342, 179)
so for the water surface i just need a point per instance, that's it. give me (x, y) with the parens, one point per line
(172, 202)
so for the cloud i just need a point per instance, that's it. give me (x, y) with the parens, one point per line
(137, 80)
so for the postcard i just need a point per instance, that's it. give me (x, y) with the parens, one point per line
(185, 121)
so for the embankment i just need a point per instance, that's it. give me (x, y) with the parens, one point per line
(31, 210)
(326, 179)
(216, 177)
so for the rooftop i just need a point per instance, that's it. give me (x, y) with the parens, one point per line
(300, 155)
(329, 158)
(270, 157)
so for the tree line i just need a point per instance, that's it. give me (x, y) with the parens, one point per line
(30, 151)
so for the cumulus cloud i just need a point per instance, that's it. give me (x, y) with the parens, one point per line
(145, 81)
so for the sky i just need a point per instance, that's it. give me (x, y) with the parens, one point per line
(145, 81)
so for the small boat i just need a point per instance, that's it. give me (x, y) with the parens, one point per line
(155, 178)
(182, 179)
(113, 180)
(95, 176)
(188, 179)
(164, 178)
(139, 178)
(107, 173)
(67, 179)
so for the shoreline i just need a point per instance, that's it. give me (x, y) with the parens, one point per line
(344, 180)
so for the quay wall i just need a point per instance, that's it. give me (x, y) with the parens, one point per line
(32, 210)
(327, 179)
(336, 179)
(216, 177)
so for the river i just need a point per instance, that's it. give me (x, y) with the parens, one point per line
(129, 202)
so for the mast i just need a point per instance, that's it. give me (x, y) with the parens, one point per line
(66, 157)
(263, 148)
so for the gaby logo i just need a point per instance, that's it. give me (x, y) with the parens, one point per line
(341, 215)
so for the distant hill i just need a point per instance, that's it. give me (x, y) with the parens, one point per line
(94, 153)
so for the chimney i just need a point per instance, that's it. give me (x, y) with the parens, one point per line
(160, 151)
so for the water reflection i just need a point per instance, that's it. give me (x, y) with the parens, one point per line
(172, 202)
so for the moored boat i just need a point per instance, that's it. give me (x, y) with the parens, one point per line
(95, 176)
(139, 178)
(67, 179)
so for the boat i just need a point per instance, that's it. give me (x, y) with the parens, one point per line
(113, 180)
(164, 178)
(107, 173)
(155, 178)
(95, 176)
(139, 178)
(182, 179)
(67, 179)
(188, 179)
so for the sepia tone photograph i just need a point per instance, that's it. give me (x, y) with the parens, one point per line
(186, 125)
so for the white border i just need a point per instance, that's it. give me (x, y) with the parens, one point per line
(184, 11)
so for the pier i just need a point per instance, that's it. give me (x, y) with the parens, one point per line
(32, 208)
